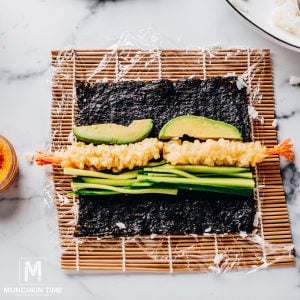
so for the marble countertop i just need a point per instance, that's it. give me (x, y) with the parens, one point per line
(28, 31)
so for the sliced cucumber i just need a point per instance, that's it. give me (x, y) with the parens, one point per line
(78, 186)
(223, 182)
(169, 170)
(90, 192)
(113, 182)
(207, 169)
(87, 173)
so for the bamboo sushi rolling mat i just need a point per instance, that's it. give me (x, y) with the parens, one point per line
(270, 245)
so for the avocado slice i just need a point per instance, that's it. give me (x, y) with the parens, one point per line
(198, 127)
(111, 133)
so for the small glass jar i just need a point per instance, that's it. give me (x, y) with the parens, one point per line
(8, 164)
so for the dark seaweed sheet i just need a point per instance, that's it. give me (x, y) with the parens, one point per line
(189, 212)
(217, 98)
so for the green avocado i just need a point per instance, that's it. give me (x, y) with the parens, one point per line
(113, 133)
(198, 127)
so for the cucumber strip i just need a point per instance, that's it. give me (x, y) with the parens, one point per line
(89, 192)
(161, 175)
(155, 163)
(88, 173)
(218, 189)
(225, 182)
(196, 175)
(248, 175)
(207, 169)
(78, 186)
(170, 170)
(246, 192)
(140, 184)
(224, 190)
(113, 182)
(240, 175)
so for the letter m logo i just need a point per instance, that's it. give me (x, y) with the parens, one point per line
(31, 270)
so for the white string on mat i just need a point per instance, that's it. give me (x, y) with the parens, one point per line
(74, 86)
(217, 264)
(204, 63)
(256, 191)
(77, 253)
(257, 196)
(123, 255)
(170, 254)
(75, 212)
(117, 65)
(249, 74)
(73, 51)
(159, 63)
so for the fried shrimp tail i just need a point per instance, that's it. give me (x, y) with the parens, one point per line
(42, 158)
(284, 149)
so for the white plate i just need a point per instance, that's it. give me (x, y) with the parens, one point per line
(259, 14)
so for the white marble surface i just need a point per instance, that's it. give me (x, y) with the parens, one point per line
(28, 31)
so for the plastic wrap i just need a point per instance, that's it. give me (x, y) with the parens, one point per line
(147, 56)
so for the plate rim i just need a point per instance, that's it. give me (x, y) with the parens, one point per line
(261, 29)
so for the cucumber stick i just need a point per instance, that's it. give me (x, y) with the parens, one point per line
(246, 192)
(113, 182)
(155, 163)
(170, 170)
(225, 182)
(89, 192)
(207, 169)
(80, 185)
(87, 173)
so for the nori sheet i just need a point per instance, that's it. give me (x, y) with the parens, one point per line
(189, 212)
(217, 98)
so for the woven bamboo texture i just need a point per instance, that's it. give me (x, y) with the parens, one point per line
(269, 245)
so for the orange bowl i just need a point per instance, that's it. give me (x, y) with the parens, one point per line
(8, 164)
